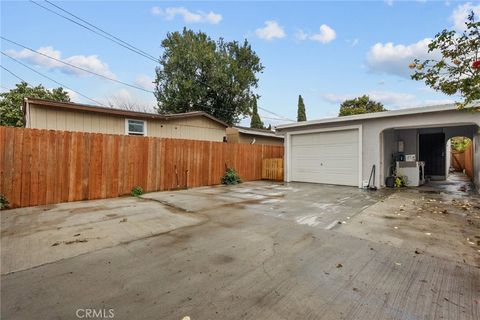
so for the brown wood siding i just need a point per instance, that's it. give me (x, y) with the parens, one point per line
(39, 167)
(247, 138)
(195, 128)
(234, 136)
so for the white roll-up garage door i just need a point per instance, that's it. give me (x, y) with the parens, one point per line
(325, 157)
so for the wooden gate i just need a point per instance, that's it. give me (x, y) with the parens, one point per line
(272, 169)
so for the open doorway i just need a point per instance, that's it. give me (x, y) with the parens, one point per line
(460, 156)
(432, 151)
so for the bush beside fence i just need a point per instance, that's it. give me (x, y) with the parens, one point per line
(40, 167)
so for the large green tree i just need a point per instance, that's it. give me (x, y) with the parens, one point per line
(457, 71)
(255, 121)
(11, 102)
(198, 73)
(360, 105)
(301, 114)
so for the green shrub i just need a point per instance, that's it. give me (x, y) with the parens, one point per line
(137, 191)
(400, 181)
(230, 177)
(4, 204)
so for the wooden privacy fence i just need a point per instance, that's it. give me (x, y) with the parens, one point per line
(463, 160)
(272, 169)
(40, 167)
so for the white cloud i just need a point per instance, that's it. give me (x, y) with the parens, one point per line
(389, 2)
(301, 35)
(144, 81)
(74, 97)
(391, 99)
(272, 30)
(394, 59)
(92, 62)
(325, 35)
(188, 16)
(156, 11)
(129, 100)
(460, 14)
(355, 42)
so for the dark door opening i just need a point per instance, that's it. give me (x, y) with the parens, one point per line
(432, 152)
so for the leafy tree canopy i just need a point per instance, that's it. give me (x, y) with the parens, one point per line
(458, 69)
(11, 102)
(301, 114)
(460, 143)
(198, 73)
(360, 105)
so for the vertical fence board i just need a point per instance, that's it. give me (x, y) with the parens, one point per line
(40, 167)
(17, 168)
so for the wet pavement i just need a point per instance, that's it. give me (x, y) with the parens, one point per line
(438, 218)
(259, 250)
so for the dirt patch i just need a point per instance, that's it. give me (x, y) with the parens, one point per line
(438, 224)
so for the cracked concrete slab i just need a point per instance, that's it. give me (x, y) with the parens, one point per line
(267, 257)
(45, 234)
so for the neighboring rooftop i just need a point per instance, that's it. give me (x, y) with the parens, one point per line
(259, 132)
(375, 115)
(118, 112)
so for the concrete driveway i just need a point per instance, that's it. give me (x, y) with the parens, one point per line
(258, 250)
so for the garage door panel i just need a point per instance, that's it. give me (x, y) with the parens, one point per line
(326, 157)
(333, 152)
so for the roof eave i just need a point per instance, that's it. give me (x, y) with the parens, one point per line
(120, 112)
(371, 116)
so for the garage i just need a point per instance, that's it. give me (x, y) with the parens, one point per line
(330, 157)
(366, 149)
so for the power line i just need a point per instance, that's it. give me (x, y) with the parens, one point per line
(51, 79)
(76, 67)
(115, 39)
(13, 74)
(100, 29)
(276, 114)
(211, 108)
(133, 49)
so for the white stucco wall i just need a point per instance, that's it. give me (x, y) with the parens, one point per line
(476, 159)
(373, 153)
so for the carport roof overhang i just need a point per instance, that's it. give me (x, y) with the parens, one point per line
(369, 116)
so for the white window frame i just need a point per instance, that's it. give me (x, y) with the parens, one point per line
(128, 133)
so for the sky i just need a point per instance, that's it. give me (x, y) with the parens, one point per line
(325, 51)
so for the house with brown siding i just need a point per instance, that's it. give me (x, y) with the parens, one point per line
(67, 116)
(239, 134)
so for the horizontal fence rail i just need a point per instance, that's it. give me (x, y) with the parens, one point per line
(39, 167)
